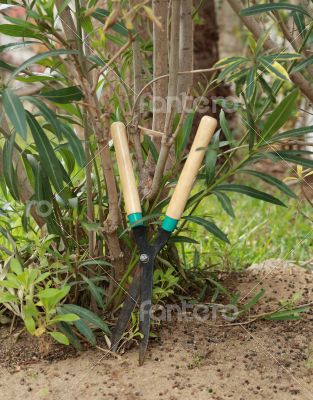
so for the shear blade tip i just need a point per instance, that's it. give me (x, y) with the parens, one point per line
(141, 359)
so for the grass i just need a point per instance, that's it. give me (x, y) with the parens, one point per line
(260, 231)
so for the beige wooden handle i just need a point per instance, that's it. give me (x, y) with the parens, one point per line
(128, 181)
(192, 165)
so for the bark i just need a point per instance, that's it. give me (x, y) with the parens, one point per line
(185, 46)
(160, 67)
(206, 54)
(229, 41)
(160, 61)
(138, 82)
(171, 99)
(253, 26)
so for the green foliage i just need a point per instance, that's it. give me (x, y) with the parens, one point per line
(23, 293)
(56, 268)
(262, 8)
(15, 111)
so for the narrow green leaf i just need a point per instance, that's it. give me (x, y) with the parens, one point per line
(251, 83)
(303, 65)
(300, 23)
(232, 67)
(67, 157)
(225, 203)
(262, 39)
(37, 77)
(268, 7)
(63, 96)
(95, 262)
(255, 299)
(283, 56)
(87, 316)
(209, 226)
(196, 259)
(101, 14)
(95, 291)
(9, 172)
(16, 45)
(185, 133)
(15, 112)
(267, 89)
(42, 185)
(211, 158)
(50, 162)
(293, 133)
(86, 331)
(22, 23)
(271, 180)
(68, 332)
(292, 158)
(274, 68)
(280, 115)
(285, 315)
(48, 114)
(229, 60)
(6, 66)
(41, 56)
(151, 147)
(18, 31)
(97, 60)
(252, 129)
(182, 239)
(249, 191)
(75, 145)
(225, 128)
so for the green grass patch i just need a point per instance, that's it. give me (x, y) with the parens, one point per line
(258, 232)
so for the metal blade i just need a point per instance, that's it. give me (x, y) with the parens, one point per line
(125, 314)
(145, 307)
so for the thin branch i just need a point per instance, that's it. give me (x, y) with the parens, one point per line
(260, 316)
(195, 71)
(151, 132)
(29, 90)
(294, 42)
(112, 60)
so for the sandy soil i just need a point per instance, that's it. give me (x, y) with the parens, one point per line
(259, 360)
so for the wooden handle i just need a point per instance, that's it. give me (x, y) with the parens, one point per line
(192, 165)
(128, 181)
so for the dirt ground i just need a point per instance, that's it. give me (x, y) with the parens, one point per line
(189, 360)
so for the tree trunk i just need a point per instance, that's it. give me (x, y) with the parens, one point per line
(206, 53)
(229, 41)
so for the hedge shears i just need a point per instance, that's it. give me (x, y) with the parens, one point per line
(142, 284)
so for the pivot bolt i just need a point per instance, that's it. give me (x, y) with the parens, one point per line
(144, 258)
